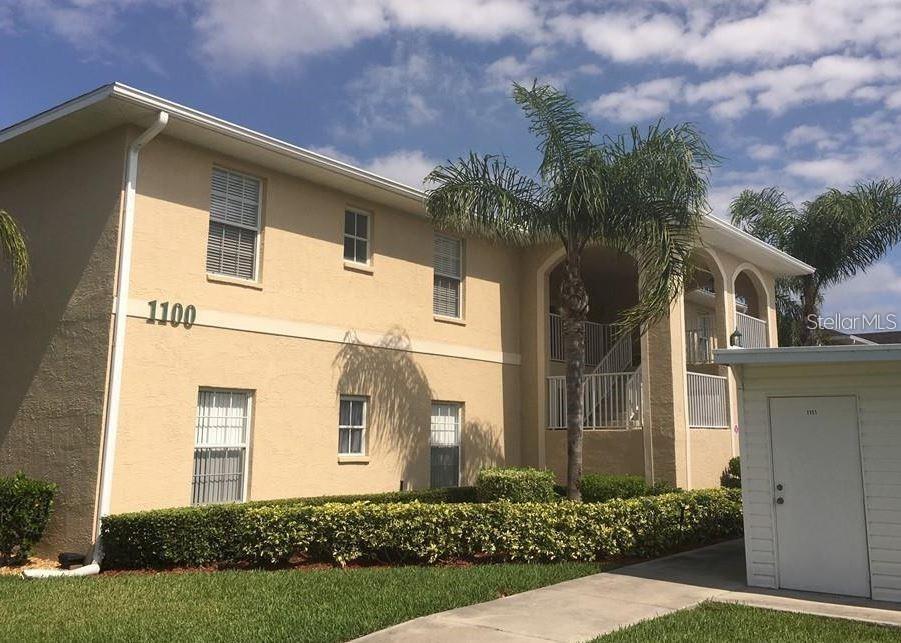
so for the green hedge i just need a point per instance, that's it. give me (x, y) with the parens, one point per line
(601, 487)
(25, 507)
(444, 494)
(419, 533)
(731, 478)
(516, 484)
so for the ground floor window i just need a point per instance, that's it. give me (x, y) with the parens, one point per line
(352, 425)
(220, 446)
(444, 444)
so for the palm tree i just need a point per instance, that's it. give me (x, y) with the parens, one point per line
(13, 250)
(643, 194)
(838, 233)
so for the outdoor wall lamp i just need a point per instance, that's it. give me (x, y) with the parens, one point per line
(735, 338)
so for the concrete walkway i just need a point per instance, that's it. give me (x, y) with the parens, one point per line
(581, 609)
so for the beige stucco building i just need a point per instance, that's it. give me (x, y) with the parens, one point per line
(217, 315)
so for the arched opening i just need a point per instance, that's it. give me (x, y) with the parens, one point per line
(612, 383)
(704, 323)
(751, 307)
(705, 331)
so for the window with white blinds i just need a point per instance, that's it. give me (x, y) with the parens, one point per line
(448, 264)
(220, 446)
(234, 224)
(444, 444)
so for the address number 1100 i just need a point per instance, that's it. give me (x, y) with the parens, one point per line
(176, 314)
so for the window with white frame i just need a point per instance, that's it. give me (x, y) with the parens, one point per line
(448, 264)
(444, 444)
(352, 425)
(356, 236)
(232, 244)
(220, 446)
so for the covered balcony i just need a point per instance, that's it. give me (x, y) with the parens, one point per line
(612, 394)
(750, 311)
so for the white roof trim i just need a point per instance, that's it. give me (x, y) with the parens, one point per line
(414, 196)
(808, 354)
(717, 223)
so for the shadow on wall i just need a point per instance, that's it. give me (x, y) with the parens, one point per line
(400, 401)
(399, 398)
(480, 448)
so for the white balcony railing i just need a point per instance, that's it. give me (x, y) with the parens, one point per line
(699, 347)
(753, 331)
(707, 401)
(612, 401)
(598, 339)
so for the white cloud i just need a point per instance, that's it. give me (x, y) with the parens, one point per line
(474, 19)
(708, 34)
(763, 152)
(810, 134)
(406, 166)
(638, 102)
(838, 170)
(893, 100)
(237, 35)
(868, 292)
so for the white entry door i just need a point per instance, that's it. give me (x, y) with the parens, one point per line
(820, 522)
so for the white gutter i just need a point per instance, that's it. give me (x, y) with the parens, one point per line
(111, 423)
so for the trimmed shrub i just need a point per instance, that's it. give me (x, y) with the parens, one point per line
(444, 494)
(419, 533)
(731, 478)
(25, 507)
(516, 484)
(601, 487)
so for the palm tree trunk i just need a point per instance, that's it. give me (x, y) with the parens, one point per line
(807, 335)
(575, 310)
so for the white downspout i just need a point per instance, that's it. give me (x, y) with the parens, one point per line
(111, 423)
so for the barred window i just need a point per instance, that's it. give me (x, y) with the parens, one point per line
(444, 444)
(220, 446)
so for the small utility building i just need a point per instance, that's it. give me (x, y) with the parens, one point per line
(820, 443)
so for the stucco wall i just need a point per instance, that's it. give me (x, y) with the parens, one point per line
(304, 286)
(710, 453)
(294, 437)
(55, 343)
(614, 451)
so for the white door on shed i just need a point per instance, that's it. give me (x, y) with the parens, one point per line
(820, 522)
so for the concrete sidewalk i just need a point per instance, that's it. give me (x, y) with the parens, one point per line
(581, 609)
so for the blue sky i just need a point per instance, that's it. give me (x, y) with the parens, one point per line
(797, 94)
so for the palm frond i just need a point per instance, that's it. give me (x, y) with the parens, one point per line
(657, 200)
(865, 223)
(485, 196)
(564, 133)
(767, 214)
(14, 250)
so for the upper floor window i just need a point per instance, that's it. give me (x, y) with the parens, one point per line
(356, 236)
(448, 263)
(232, 245)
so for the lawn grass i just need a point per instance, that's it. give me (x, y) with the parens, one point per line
(718, 622)
(300, 605)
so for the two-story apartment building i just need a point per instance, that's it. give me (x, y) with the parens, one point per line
(215, 315)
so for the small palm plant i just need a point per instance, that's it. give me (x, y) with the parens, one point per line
(643, 194)
(14, 251)
(838, 233)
